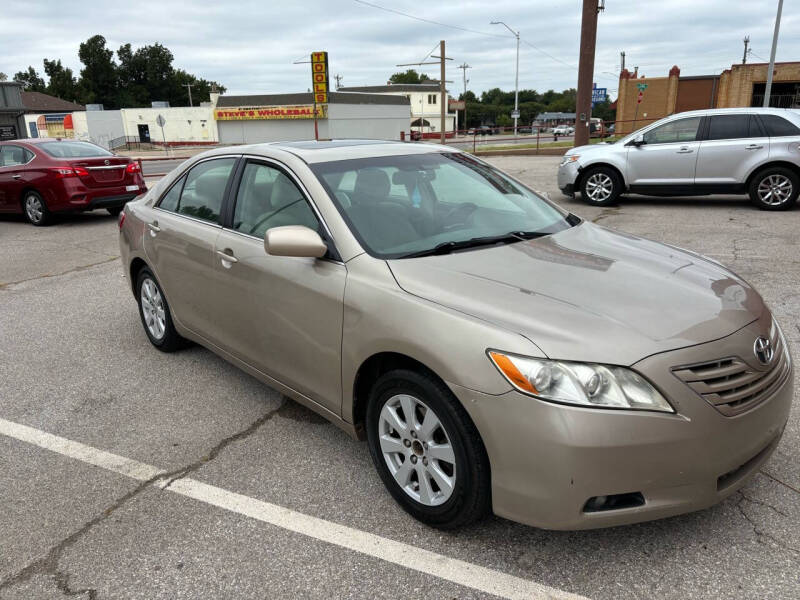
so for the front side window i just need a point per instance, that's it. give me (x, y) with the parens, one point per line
(681, 130)
(268, 198)
(399, 206)
(200, 193)
(73, 149)
(779, 127)
(729, 127)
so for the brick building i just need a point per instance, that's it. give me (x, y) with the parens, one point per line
(739, 86)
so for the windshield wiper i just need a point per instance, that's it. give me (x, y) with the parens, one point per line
(448, 247)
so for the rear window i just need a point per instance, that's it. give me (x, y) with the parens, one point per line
(73, 149)
(778, 126)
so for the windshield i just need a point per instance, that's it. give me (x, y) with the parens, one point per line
(399, 206)
(73, 149)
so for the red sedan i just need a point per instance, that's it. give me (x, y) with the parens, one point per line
(39, 177)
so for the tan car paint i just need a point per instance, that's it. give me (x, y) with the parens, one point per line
(445, 312)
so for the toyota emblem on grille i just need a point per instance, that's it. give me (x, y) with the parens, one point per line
(763, 350)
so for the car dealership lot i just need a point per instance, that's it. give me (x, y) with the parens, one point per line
(76, 364)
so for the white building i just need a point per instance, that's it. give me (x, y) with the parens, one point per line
(424, 99)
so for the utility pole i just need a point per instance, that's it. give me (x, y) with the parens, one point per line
(443, 91)
(768, 89)
(189, 87)
(622, 61)
(516, 77)
(464, 67)
(586, 70)
(338, 79)
(746, 44)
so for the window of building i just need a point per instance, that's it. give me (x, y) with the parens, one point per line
(431, 98)
(778, 126)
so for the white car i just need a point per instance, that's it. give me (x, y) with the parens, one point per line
(563, 130)
(754, 151)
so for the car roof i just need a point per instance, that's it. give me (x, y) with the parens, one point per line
(748, 110)
(344, 149)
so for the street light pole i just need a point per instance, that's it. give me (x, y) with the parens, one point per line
(768, 89)
(516, 77)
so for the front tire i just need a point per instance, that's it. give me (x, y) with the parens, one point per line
(427, 451)
(35, 209)
(775, 188)
(600, 186)
(155, 314)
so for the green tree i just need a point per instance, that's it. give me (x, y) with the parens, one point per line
(410, 76)
(3, 76)
(61, 81)
(98, 82)
(31, 80)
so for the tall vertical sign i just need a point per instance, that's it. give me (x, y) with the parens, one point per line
(319, 82)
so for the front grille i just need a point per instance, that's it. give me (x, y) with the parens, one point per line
(731, 385)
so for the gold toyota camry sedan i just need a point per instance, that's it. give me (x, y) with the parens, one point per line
(496, 352)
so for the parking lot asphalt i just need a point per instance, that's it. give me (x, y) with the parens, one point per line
(251, 467)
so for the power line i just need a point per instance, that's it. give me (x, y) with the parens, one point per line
(397, 12)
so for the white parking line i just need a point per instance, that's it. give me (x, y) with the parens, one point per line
(457, 571)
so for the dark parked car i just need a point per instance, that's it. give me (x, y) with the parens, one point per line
(39, 177)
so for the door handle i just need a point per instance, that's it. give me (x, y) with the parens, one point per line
(227, 256)
(154, 228)
(16, 177)
(753, 147)
(685, 150)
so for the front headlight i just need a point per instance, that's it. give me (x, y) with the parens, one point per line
(582, 384)
(569, 159)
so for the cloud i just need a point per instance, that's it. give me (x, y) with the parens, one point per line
(250, 45)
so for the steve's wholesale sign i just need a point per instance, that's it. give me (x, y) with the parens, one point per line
(251, 113)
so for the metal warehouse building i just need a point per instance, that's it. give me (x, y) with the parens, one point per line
(290, 117)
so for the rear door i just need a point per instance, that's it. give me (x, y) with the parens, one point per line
(13, 161)
(667, 158)
(179, 242)
(732, 146)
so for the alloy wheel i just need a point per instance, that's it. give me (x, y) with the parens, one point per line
(599, 187)
(34, 208)
(155, 318)
(775, 189)
(417, 449)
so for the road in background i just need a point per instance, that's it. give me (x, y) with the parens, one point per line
(77, 364)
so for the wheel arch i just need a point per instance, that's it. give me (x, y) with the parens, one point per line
(769, 165)
(137, 264)
(23, 192)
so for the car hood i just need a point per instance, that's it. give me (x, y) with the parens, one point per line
(588, 149)
(589, 293)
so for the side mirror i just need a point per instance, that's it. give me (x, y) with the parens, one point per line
(294, 240)
(638, 140)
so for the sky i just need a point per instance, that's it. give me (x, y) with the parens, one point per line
(250, 46)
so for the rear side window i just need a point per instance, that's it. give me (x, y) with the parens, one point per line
(11, 156)
(73, 149)
(778, 126)
(729, 127)
(200, 193)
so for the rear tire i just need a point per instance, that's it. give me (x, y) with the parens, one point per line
(600, 186)
(114, 212)
(35, 209)
(432, 461)
(155, 314)
(774, 188)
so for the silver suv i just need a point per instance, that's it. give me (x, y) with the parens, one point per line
(753, 151)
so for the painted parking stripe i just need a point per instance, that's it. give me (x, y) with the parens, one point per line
(457, 571)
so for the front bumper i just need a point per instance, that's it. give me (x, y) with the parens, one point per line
(567, 176)
(548, 460)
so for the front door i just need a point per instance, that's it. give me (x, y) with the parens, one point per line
(667, 157)
(282, 315)
(144, 134)
(179, 242)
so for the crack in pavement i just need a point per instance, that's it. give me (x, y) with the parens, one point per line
(48, 565)
(607, 212)
(4, 286)
(781, 482)
(760, 535)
